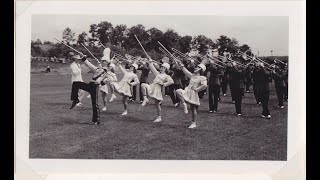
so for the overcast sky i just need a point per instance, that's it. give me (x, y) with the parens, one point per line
(261, 33)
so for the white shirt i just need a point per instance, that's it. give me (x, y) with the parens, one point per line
(76, 72)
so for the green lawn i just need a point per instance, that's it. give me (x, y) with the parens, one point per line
(58, 132)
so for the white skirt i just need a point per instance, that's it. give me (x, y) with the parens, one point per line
(104, 88)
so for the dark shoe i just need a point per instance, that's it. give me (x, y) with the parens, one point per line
(74, 103)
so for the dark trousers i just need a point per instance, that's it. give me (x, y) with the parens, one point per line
(232, 93)
(237, 96)
(264, 95)
(134, 93)
(201, 93)
(286, 92)
(214, 90)
(224, 85)
(280, 90)
(185, 83)
(248, 84)
(256, 95)
(172, 88)
(166, 91)
(93, 89)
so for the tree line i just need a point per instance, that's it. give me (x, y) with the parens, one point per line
(121, 39)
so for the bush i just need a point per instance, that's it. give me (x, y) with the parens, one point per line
(36, 51)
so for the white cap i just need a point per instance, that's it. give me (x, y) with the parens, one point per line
(166, 65)
(165, 58)
(135, 65)
(202, 66)
(112, 65)
(76, 57)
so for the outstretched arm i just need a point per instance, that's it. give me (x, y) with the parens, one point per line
(91, 66)
(184, 69)
(187, 72)
(153, 69)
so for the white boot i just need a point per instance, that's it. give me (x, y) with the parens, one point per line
(125, 112)
(185, 108)
(193, 125)
(113, 97)
(145, 100)
(104, 108)
(158, 119)
(79, 104)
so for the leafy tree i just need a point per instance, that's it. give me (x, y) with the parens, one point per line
(94, 35)
(140, 32)
(244, 48)
(118, 35)
(37, 42)
(203, 43)
(170, 39)
(82, 38)
(223, 42)
(185, 44)
(155, 35)
(226, 44)
(68, 36)
(47, 42)
(104, 31)
(233, 46)
(36, 51)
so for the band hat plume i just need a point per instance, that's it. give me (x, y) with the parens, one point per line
(202, 66)
(106, 55)
(135, 65)
(166, 65)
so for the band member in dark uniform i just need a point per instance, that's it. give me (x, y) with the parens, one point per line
(248, 77)
(214, 73)
(254, 79)
(236, 85)
(144, 67)
(176, 74)
(263, 89)
(278, 77)
(224, 82)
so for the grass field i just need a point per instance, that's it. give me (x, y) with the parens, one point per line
(58, 132)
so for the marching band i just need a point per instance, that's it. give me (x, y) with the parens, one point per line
(186, 78)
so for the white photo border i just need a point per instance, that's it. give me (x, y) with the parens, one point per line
(295, 163)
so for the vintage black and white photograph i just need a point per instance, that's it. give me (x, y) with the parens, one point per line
(160, 87)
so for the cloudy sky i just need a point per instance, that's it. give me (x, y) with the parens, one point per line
(261, 33)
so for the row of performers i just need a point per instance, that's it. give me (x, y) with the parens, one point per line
(185, 81)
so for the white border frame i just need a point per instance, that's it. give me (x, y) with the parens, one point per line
(295, 164)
